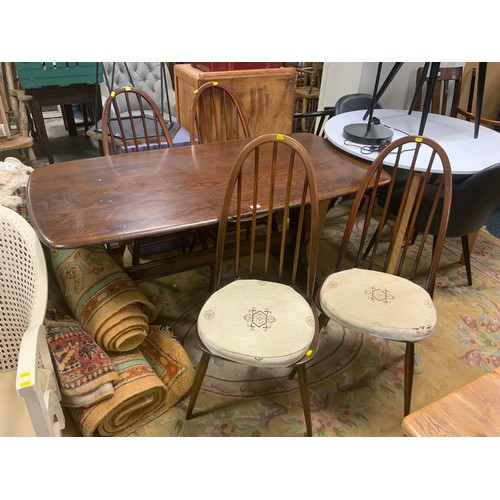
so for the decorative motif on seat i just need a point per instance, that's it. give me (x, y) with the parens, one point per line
(379, 295)
(260, 319)
(209, 314)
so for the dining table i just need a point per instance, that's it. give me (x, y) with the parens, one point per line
(112, 200)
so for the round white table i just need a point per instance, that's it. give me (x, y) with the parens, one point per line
(467, 155)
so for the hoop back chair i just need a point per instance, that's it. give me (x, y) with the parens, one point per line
(131, 121)
(216, 115)
(261, 318)
(29, 392)
(379, 295)
(440, 103)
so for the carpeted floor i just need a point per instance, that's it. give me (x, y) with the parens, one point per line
(356, 382)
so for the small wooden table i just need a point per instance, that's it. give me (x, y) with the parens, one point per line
(124, 197)
(471, 411)
(79, 93)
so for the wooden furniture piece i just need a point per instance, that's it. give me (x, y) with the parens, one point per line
(216, 115)
(261, 318)
(120, 198)
(60, 84)
(490, 115)
(470, 411)
(379, 295)
(80, 93)
(308, 87)
(13, 122)
(29, 394)
(266, 95)
(443, 102)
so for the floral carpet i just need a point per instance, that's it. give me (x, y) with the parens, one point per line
(356, 382)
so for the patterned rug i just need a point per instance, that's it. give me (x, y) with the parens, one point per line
(151, 379)
(102, 297)
(356, 382)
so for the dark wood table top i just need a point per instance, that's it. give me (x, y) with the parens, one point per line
(123, 197)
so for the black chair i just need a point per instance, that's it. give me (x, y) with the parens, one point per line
(314, 121)
(354, 102)
(474, 200)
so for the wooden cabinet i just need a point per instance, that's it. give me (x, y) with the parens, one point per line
(266, 95)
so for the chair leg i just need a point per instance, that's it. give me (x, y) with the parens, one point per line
(408, 382)
(304, 394)
(198, 380)
(466, 252)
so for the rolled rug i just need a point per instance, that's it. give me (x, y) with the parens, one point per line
(151, 381)
(84, 371)
(101, 296)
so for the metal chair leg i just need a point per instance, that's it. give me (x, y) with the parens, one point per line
(466, 253)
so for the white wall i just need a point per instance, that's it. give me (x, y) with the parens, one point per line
(340, 78)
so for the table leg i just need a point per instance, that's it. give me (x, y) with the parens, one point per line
(69, 119)
(36, 111)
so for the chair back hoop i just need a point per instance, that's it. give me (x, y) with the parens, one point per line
(135, 124)
(397, 205)
(278, 171)
(216, 115)
(440, 101)
(114, 74)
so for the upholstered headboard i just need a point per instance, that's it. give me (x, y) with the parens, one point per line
(143, 75)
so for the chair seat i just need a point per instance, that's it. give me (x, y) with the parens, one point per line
(259, 323)
(379, 304)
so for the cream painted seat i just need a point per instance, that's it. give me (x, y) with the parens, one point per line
(379, 304)
(29, 394)
(388, 292)
(261, 317)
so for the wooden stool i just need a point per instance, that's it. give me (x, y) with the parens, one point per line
(471, 411)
